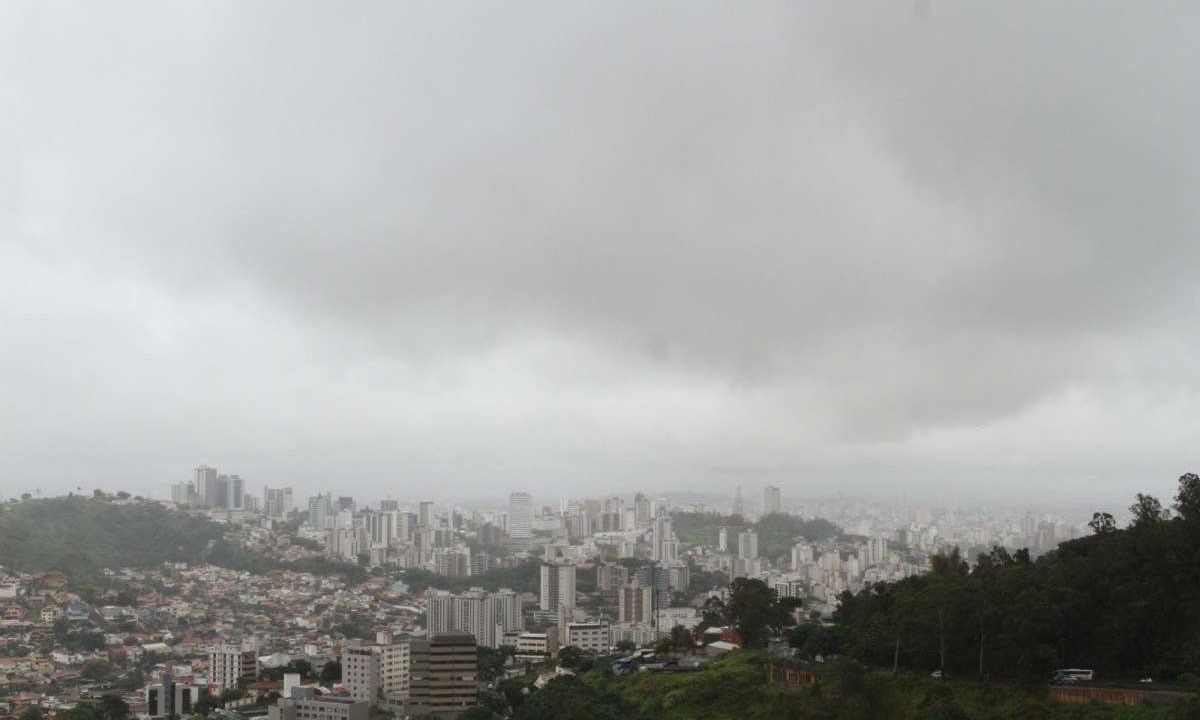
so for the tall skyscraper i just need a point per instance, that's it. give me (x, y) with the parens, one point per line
(207, 490)
(237, 493)
(747, 545)
(738, 508)
(723, 540)
(320, 511)
(772, 502)
(520, 516)
(663, 547)
(641, 510)
(425, 515)
(558, 590)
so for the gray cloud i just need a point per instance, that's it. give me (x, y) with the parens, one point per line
(573, 246)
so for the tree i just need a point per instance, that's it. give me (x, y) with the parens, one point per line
(568, 698)
(753, 610)
(113, 707)
(33, 712)
(331, 672)
(492, 661)
(570, 657)
(95, 669)
(1147, 511)
(1187, 501)
(1102, 523)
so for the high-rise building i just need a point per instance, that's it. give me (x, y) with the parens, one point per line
(360, 674)
(772, 501)
(738, 508)
(183, 493)
(235, 499)
(520, 516)
(663, 546)
(395, 666)
(485, 616)
(232, 666)
(320, 511)
(207, 491)
(508, 611)
(610, 577)
(445, 671)
(389, 505)
(747, 545)
(425, 515)
(277, 502)
(723, 540)
(636, 603)
(641, 510)
(558, 589)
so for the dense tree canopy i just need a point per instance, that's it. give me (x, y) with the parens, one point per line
(1125, 602)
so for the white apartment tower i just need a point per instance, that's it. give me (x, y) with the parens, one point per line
(772, 501)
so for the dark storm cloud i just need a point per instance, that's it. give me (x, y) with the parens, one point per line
(565, 245)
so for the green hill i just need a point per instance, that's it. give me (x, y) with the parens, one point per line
(81, 536)
(1124, 602)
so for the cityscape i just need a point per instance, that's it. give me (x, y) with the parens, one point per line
(599, 360)
(411, 588)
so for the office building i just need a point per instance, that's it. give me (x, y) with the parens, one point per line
(520, 516)
(445, 671)
(168, 698)
(320, 511)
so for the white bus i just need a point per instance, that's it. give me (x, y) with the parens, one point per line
(1075, 673)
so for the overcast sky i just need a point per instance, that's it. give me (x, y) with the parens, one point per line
(448, 249)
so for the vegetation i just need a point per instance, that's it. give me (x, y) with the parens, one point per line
(777, 532)
(81, 536)
(522, 578)
(1125, 602)
(753, 610)
(735, 687)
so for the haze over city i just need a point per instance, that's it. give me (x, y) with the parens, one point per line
(936, 251)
